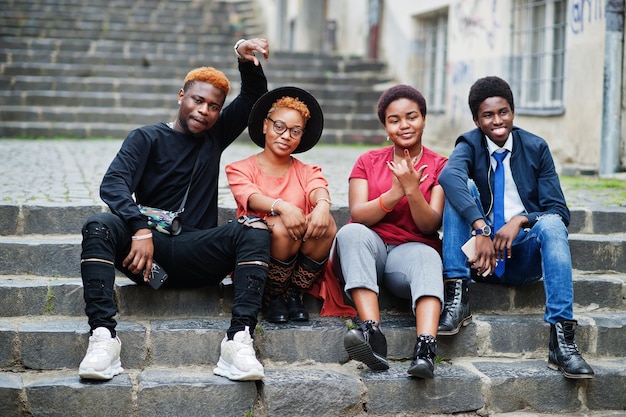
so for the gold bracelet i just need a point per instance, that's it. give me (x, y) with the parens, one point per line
(330, 203)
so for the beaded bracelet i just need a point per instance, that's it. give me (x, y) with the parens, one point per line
(382, 206)
(272, 212)
(239, 42)
(142, 237)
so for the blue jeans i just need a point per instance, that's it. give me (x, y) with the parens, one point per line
(539, 251)
(194, 258)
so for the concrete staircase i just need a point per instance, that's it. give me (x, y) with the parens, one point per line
(86, 68)
(170, 341)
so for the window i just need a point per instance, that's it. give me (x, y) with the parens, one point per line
(430, 50)
(538, 57)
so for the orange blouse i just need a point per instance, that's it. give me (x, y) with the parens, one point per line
(246, 177)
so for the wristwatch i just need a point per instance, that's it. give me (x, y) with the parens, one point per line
(485, 231)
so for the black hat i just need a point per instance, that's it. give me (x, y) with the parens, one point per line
(312, 130)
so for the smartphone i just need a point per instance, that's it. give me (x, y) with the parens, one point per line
(469, 249)
(157, 276)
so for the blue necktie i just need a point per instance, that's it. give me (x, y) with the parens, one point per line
(498, 201)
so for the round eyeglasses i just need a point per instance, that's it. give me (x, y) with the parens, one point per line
(280, 127)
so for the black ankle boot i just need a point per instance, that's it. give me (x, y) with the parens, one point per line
(367, 344)
(275, 309)
(295, 306)
(456, 309)
(564, 355)
(423, 364)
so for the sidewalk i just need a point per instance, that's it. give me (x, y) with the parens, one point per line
(68, 172)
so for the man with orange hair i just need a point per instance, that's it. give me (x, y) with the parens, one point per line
(174, 167)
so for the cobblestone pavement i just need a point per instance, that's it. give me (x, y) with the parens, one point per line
(68, 172)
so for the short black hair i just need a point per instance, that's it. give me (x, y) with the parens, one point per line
(397, 92)
(486, 87)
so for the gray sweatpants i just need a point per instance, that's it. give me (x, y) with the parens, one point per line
(411, 270)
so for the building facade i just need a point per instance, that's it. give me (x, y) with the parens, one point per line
(562, 58)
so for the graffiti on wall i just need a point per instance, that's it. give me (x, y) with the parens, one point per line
(472, 25)
(585, 11)
(462, 78)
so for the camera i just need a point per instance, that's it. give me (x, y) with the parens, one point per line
(163, 221)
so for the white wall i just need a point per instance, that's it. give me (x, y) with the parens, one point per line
(479, 39)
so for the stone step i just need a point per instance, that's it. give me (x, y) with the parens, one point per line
(51, 294)
(54, 103)
(144, 68)
(58, 105)
(213, 51)
(68, 219)
(139, 21)
(476, 386)
(54, 254)
(98, 100)
(595, 252)
(51, 79)
(51, 63)
(26, 341)
(338, 87)
(205, 44)
(98, 19)
(119, 34)
(599, 220)
(136, 116)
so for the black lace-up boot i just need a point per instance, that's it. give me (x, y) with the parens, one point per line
(564, 355)
(456, 309)
(423, 364)
(367, 344)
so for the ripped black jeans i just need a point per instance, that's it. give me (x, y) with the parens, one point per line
(194, 258)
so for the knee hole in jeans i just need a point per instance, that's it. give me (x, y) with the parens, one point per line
(93, 230)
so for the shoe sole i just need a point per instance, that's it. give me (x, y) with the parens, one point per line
(567, 374)
(105, 375)
(421, 372)
(463, 323)
(299, 318)
(361, 351)
(282, 319)
(232, 373)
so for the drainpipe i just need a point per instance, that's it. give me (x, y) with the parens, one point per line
(612, 94)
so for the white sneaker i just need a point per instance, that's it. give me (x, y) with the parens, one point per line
(102, 360)
(238, 361)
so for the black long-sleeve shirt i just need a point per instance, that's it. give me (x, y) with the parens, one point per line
(155, 163)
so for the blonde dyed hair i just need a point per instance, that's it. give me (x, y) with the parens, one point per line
(291, 103)
(209, 75)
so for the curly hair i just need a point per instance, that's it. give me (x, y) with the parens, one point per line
(291, 103)
(397, 92)
(486, 87)
(209, 75)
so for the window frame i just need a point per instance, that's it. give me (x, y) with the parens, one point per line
(537, 63)
(430, 54)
